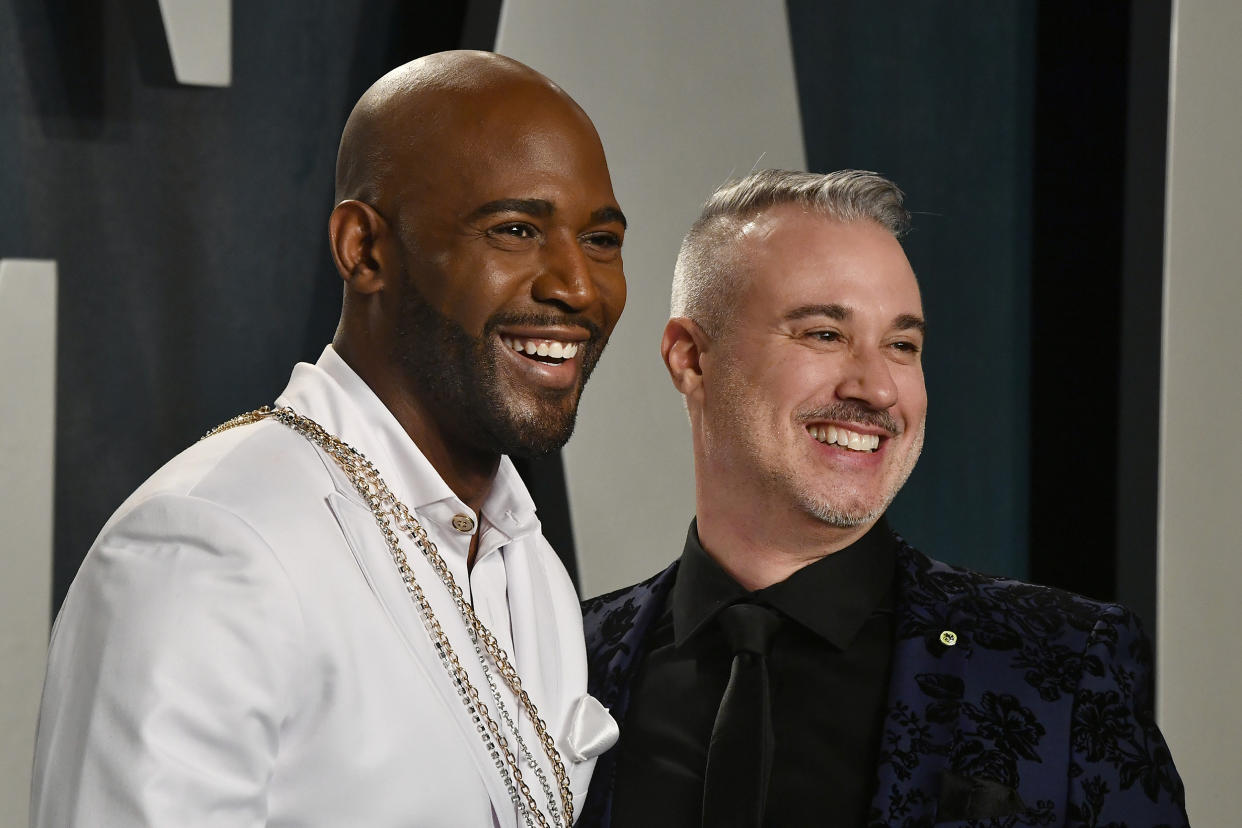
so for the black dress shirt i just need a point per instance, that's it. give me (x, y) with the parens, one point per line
(828, 669)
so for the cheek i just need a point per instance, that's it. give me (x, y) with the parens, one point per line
(912, 394)
(776, 390)
(611, 287)
(477, 290)
(797, 383)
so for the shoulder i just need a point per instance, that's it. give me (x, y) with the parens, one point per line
(1002, 612)
(251, 472)
(241, 504)
(617, 621)
(622, 605)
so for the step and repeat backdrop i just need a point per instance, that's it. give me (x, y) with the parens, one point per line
(167, 176)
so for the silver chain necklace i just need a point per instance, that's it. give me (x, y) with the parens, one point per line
(389, 511)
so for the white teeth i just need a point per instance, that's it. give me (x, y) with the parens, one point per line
(832, 435)
(542, 347)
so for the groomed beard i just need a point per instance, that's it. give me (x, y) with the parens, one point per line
(842, 510)
(844, 518)
(457, 376)
(833, 514)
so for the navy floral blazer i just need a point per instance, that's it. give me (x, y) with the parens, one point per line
(1009, 704)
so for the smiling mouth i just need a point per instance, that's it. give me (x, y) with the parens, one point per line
(545, 351)
(836, 435)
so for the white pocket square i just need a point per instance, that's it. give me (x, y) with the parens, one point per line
(591, 730)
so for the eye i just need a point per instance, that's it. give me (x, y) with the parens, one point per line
(605, 245)
(516, 230)
(908, 347)
(603, 239)
(825, 336)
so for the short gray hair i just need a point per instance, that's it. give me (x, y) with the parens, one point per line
(707, 277)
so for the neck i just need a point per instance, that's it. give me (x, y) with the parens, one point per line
(468, 470)
(759, 547)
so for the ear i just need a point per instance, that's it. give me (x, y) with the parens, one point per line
(355, 231)
(682, 347)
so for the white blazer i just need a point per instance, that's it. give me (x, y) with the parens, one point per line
(239, 650)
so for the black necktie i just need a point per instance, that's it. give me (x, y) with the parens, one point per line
(739, 756)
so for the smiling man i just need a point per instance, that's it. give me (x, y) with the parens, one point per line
(341, 610)
(800, 664)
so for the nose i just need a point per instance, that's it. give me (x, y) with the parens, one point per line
(869, 380)
(565, 276)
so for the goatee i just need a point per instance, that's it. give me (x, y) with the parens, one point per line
(459, 377)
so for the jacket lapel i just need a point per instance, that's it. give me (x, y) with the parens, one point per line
(930, 653)
(616, 628)
(375, 560)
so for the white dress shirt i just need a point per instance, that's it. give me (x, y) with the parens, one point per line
(238, 648)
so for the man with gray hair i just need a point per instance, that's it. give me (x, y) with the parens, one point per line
(800, 664)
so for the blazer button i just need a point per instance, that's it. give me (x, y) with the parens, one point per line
(463, 523)
(948, 638)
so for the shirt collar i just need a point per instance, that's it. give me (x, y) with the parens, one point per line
(333, 394)
(832, 597)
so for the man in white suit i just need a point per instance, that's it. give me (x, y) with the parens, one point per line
(341, 611)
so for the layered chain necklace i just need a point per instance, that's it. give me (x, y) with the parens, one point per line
(389, 512)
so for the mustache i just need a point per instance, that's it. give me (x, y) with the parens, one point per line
(539, 320)
(852, 412)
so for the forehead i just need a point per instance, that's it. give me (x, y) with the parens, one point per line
(792, 258)
(499, 147)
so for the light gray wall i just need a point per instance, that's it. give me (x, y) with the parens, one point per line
(685, 96)
(27, 437)
(200, 37)
(1200, 565)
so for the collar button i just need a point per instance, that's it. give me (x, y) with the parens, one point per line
(463, 523)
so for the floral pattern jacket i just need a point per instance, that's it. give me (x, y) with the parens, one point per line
(1009, 704)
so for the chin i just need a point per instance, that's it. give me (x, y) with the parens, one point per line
(843, 512)
(844, 518)
(532, 433)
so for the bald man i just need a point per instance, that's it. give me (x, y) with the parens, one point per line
(340, 611)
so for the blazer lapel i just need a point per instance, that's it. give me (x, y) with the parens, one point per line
(616, 628)
(375, 560)
(616, 632)
(930, 653)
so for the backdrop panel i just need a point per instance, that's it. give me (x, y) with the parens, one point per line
(27, 434)
(939, 98)
(1200, 457)
(685, 96)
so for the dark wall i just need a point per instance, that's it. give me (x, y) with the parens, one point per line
(939, 97)
(1030, 138)
(1101, 116)
(188, 224)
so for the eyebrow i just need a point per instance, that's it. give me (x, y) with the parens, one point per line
(542, 208)
(837, 312)
(902, 322)
(537, 207)
(908, 321)
(604, 215)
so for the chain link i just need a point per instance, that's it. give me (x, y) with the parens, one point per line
(382, 503)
